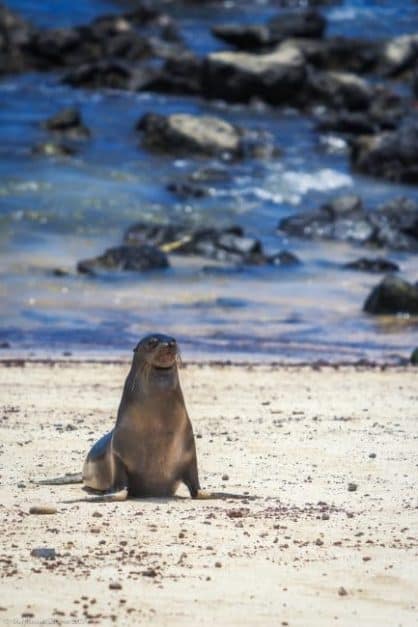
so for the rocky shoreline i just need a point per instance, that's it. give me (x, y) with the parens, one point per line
(287, 62)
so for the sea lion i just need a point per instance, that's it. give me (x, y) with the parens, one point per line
(151, 448)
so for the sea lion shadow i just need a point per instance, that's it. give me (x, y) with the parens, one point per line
(209, 496)
(100, 497)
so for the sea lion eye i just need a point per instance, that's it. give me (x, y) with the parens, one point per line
(152, 343)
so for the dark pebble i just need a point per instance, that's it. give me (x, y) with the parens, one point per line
(44, 553)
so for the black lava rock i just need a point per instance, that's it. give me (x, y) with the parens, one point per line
(135, 258)
(375, 265)
(392, 296)
(392, 155)
(184, 189)
(307, 24)
(230, 245)
(69, 122)
(393, 225)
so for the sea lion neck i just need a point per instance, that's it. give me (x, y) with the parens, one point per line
(145, 380)
(162, 379)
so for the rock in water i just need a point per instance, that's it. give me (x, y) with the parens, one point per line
(393, 295)
(277, 78)
(306, 24)
(392, 155)
(399, 54)
(377, 264)
(134, 258)
(342, 218)
(69, 122)
(393, 225)
(341, 90)
(343, 205)
(229, 245)
(182, 133)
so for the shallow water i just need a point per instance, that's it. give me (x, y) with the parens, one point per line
(54, 212)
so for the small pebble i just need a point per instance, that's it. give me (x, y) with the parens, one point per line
(44, 553)
(352, 487)
(372, 455)
(225, 477)
(115, 585)
(43, 509)
(235, 513)
(342, 591)
(150, 572)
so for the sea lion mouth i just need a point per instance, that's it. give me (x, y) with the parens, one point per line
(164, 360)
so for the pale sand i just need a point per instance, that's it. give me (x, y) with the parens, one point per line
(293, 438)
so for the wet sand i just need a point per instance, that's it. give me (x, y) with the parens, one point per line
(298, 547)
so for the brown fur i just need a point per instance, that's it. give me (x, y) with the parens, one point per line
(151, 448)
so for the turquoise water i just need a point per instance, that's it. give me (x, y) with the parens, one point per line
(54, 212)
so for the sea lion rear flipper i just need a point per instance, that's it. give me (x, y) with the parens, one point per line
(67, 479)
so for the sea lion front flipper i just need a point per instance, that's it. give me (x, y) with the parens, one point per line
(203, 495)
(190, 475)
(106, 497)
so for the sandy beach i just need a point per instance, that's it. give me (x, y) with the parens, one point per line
(298, 545)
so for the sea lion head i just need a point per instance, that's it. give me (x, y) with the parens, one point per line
(157, 351)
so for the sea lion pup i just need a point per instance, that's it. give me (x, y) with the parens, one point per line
(151, 449)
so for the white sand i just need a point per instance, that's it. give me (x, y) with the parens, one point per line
(293, 438)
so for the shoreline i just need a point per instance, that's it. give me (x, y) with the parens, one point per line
(402, 363)
(360, 365)
(297, 546)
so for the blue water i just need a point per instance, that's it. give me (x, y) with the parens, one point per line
(54, 212)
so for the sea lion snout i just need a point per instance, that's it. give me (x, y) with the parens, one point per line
(165, 356)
